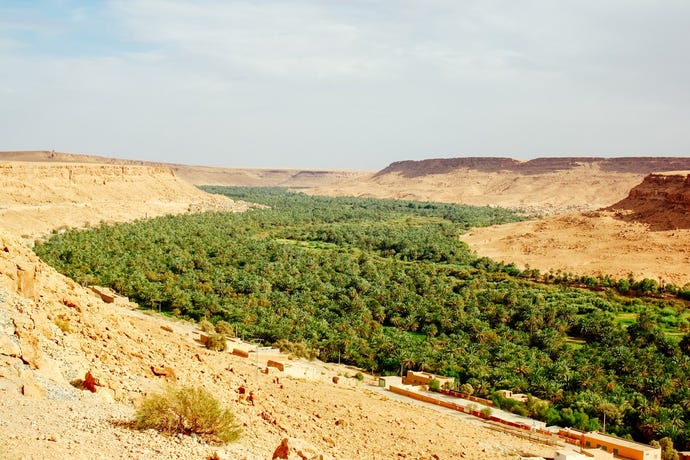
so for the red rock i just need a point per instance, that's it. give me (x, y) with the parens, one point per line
(282, 451)
(90, 382)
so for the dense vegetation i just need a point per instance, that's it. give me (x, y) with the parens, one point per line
(386, 285)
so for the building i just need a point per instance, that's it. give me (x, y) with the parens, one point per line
(423, 378)
(619, 447)
(510, 395)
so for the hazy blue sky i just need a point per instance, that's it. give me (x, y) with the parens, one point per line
(345, 83)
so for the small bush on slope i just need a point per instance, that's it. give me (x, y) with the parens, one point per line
(207, 326)
(187, 410)
(216, 342)
(225, 328)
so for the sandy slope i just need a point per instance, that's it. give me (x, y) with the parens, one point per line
(549, 193)
(589, 243)
(646, 234)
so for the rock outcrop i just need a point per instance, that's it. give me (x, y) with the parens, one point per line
(661, 201)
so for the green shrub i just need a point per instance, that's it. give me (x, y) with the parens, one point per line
(668, 452)
(225, 328)
(187, 410)
(359, 376)
(435, 385)
(467, 389)
(216, 342)
(207, 326)
(296, 349)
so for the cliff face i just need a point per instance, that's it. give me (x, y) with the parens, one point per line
(35, 198)
(666, 189)
(40, 183)
(201, 175)
(662, 201)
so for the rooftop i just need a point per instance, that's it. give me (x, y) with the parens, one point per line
(620, 441)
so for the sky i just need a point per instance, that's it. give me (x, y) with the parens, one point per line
(354, 84)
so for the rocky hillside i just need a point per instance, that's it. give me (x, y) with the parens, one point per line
(542, 185)
(39, 197)
(203, 175)
(661, 201)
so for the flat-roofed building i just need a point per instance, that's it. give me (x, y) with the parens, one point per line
(620, 447)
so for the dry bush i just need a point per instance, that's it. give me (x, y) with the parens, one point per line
(207, 326)
(216, 342)
(187, 410)
(296, 349)
(225, 328)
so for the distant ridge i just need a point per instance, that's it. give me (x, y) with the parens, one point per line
(542, 186)
(203, 175)
(636, 165)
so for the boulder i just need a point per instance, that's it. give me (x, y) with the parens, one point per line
(164, 371)
(282, 451)
(30, 352)
(26, 281)
(90, 382)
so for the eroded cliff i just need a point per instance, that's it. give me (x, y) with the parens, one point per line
(661, 201)
(36, 198)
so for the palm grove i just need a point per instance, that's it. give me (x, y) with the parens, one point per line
(387, 286)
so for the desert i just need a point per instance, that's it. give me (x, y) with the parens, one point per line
(308, 230)
(44, 414)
